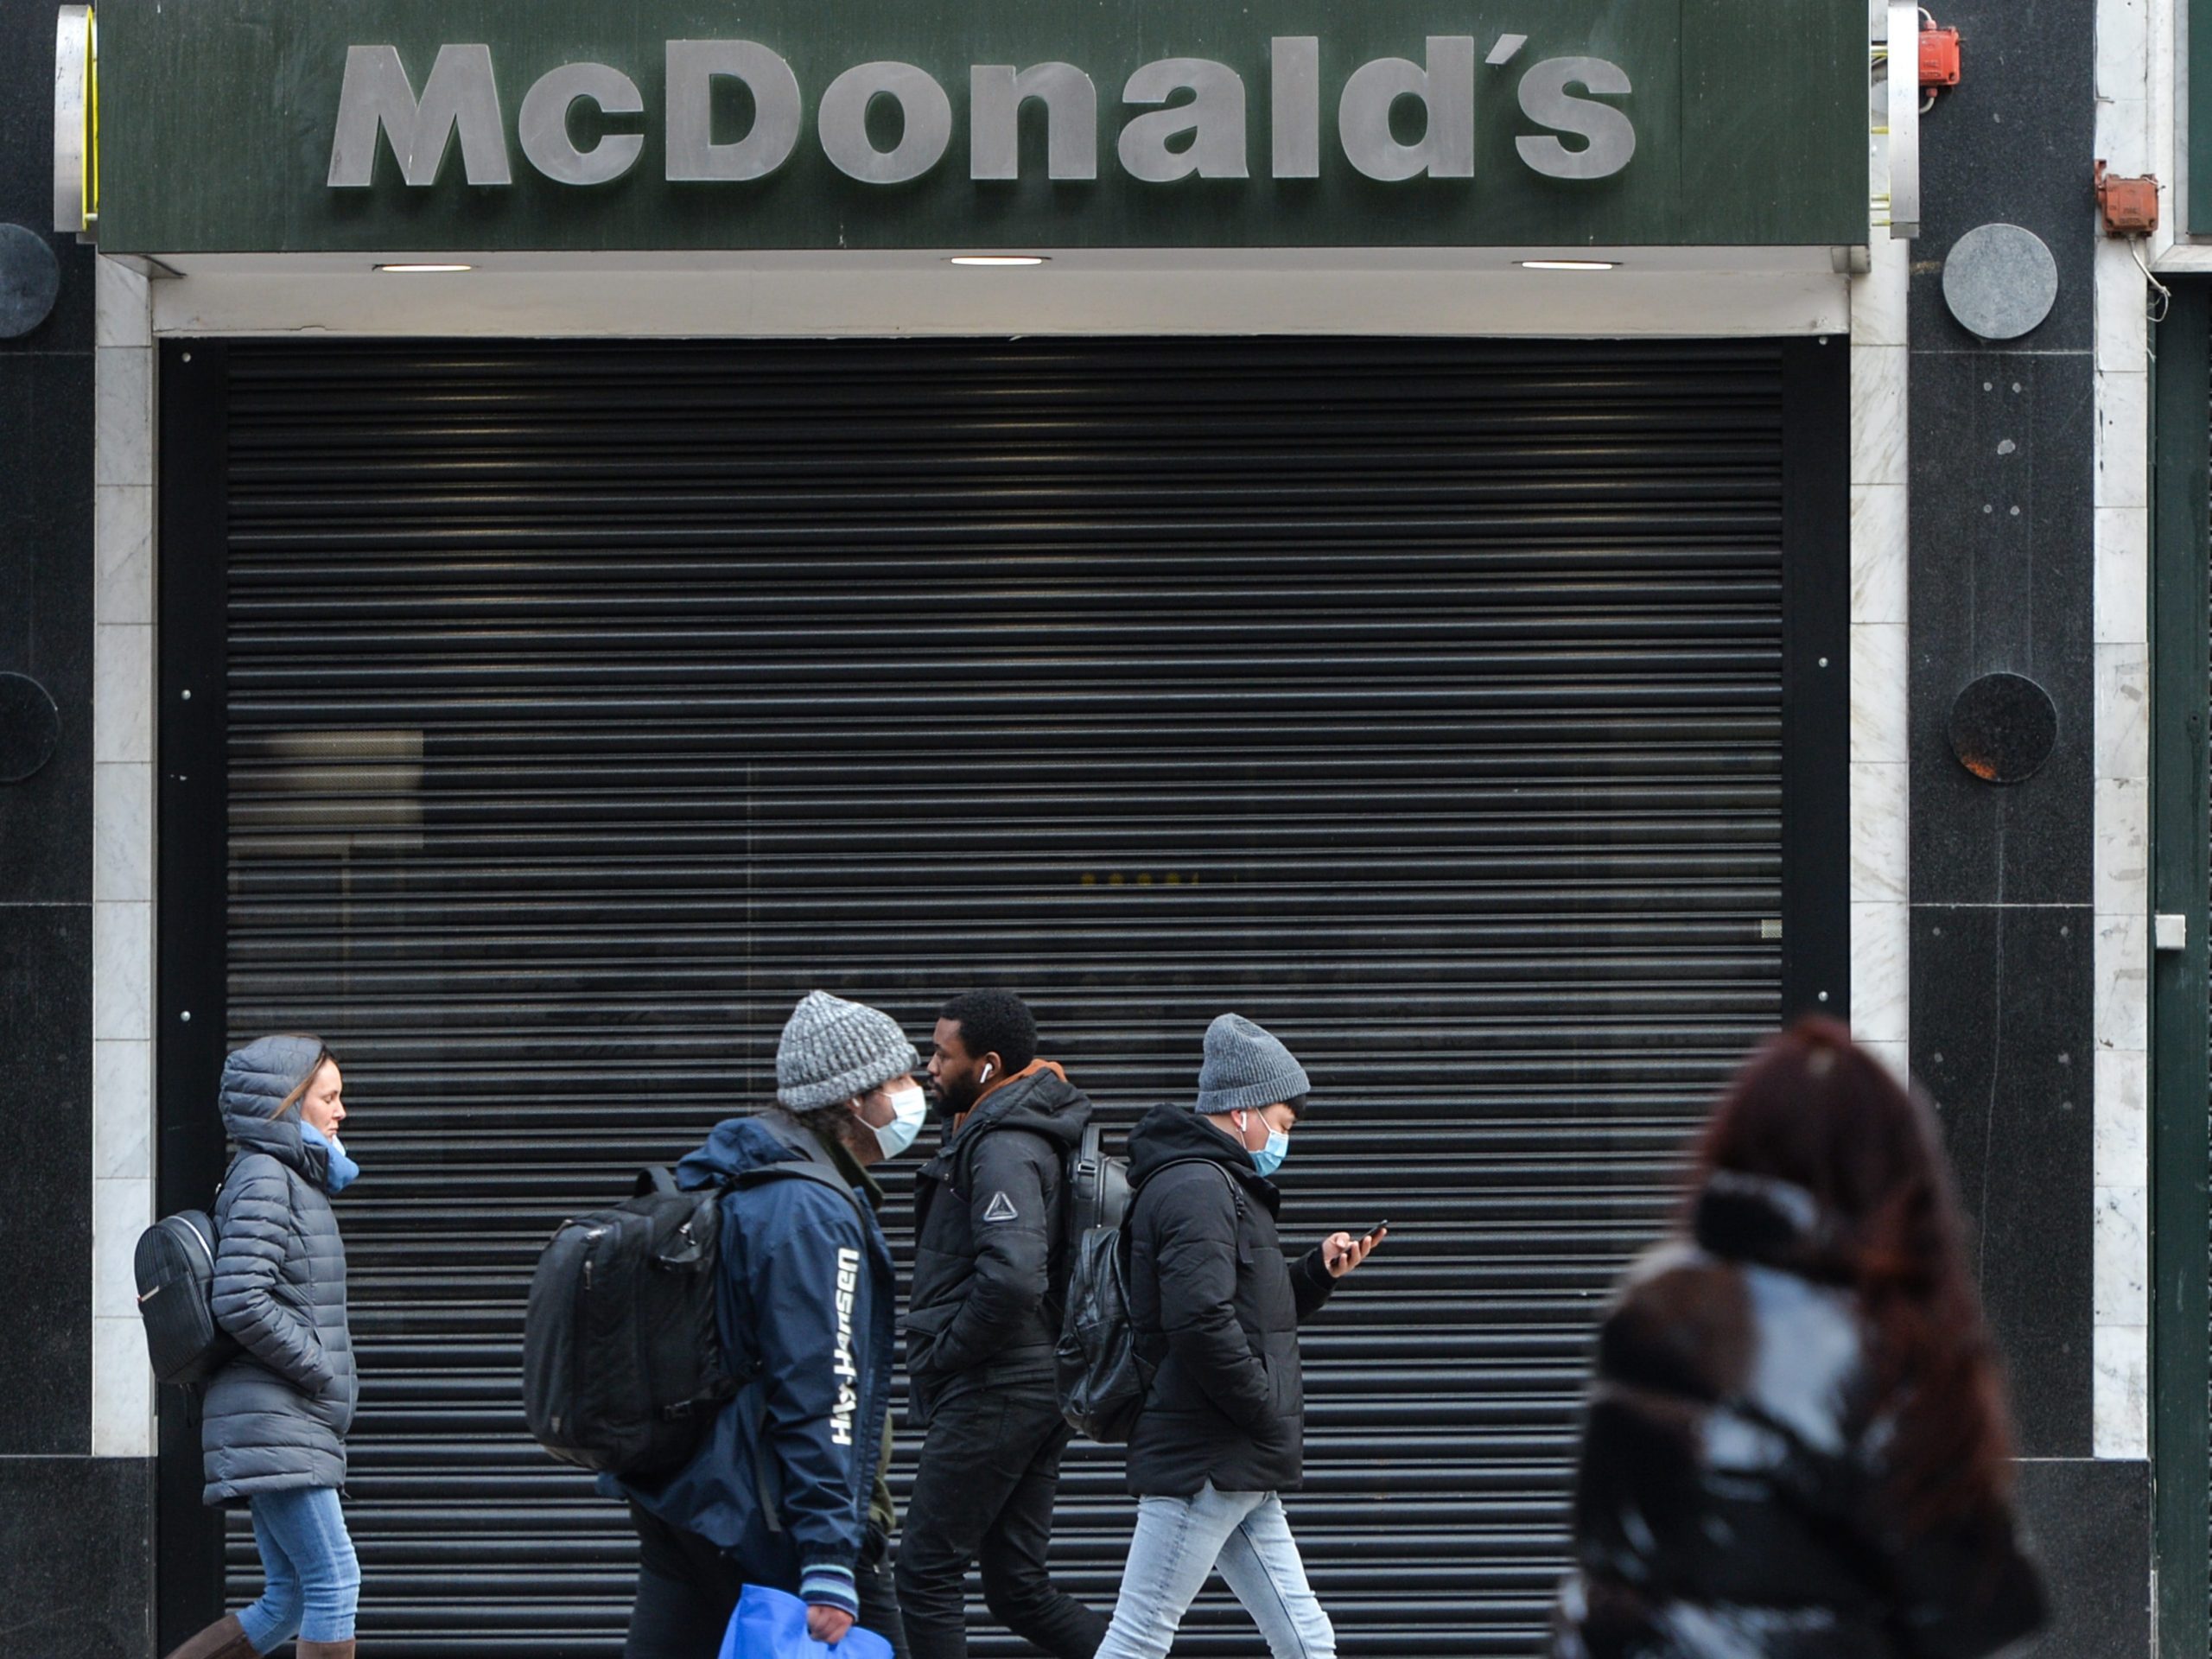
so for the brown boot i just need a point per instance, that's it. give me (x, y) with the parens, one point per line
(324, 1649)
(223, 1639)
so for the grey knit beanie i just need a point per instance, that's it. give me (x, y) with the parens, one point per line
(832, 1050)
(1246, 1067)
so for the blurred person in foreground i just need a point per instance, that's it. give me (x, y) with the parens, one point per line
(1796, 1445)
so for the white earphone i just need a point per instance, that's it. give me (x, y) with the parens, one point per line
(986, 1071)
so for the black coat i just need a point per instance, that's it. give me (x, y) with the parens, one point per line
(1733, 1501)
(1216, 1306)
(275, 1416)
(988, 1276)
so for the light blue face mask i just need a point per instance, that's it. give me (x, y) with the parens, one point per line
(338, 1169)
(1268, 1159)
(908, 1112)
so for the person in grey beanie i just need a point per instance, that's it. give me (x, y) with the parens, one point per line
(1216, 1305)
(787, 1489)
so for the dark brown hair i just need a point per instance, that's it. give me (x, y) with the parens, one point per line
(1815, 1110)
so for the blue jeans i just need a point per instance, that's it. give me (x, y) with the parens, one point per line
(311, 1580)
(1180, 1541)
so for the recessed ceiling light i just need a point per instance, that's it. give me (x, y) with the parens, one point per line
(423, 270)
(1570, 264)
(999, 259)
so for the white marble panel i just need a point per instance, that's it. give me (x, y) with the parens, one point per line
(1877, 692)
(2122, 308)
(2123, 710)
(122, 1110)
(2122, 970)
(2123, 47)
(1879, 547)
(2120, 1256)
(122, 312)
(2122, 876)
(123, 691)
(123, 1389)
(1878, 297)
(1877, 414)
(2120, 1401)
(2123, 440)
(1880, 838)
(2123, 1118)
(123, 971)
(1881, 952)
(123, 416)
(1896, 1056)
(122, 553)
(2122, 136)
(123, 831)
(2123, 575)
(122, 1209)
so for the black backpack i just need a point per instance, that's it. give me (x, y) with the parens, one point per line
(622, 1361)
(1102, 1378)
(1097, 1190)
(175, 1264)
(175, 1267)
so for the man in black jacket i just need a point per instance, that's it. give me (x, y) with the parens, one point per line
(981, 1325)
(1216, 1307)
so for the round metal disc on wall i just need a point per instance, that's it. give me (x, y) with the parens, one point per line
(30, 727)
(2003, 727)
(2000, 281)
(30, 278)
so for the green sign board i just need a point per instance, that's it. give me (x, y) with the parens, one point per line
(438, 126)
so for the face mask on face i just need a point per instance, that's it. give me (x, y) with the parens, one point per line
(338, 1169)
(908, 1110)
(1268, 1159)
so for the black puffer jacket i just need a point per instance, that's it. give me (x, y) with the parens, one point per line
(1216, 1306)
(988, 1280)
(275, 1417)
(1732, 1502)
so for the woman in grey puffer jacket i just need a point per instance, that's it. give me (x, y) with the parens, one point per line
(273, 1433)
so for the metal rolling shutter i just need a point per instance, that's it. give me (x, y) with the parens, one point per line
(589, 702)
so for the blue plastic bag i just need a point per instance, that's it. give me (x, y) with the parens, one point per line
(770, 1624)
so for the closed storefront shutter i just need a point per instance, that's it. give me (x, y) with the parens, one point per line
(588, 703)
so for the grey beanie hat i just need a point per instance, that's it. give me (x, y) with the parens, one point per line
(1246, 1067)
(832, 1050)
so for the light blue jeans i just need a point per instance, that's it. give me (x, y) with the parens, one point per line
(311, 1580)
(1178, 1543)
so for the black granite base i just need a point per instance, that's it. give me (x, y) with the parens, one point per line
(46, 1178)
(2001, 1038)
(2090, 1525)
(76, 1534)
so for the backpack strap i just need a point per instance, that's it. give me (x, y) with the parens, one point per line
(804, 1169)
(1236, 1191)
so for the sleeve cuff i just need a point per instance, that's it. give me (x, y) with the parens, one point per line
(823, 1584)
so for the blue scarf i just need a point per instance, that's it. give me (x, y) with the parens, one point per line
(339, 1170)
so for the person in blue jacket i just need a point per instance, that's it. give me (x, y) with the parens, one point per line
(786, 1490)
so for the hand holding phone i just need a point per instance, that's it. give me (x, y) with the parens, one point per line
(1342, 1252)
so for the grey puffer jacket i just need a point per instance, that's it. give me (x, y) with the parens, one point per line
(275, 1417)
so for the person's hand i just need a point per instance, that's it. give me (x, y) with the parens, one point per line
(1341, 1252)
(827, 1624)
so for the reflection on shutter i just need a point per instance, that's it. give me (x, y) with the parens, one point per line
(590, 703)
